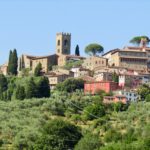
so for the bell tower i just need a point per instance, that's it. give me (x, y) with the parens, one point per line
(63, 43)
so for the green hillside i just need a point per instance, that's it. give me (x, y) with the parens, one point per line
(21, 122)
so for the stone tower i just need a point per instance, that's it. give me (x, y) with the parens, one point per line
(63, 43)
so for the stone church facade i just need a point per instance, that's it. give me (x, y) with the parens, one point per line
(62, 55)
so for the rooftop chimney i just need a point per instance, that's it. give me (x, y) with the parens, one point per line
(143, 43)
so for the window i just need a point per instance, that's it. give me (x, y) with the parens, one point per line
(58, 50)
(65, 42)
(58, 43)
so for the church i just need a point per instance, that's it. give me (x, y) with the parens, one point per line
(62, 55)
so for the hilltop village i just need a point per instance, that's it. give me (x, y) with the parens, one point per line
(66, 101)
(120, 71)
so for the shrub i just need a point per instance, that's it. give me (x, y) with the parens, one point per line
(70, 85)
(94, 111)
(58, 134)
(89, 142)
(20, 93)
(112, 135)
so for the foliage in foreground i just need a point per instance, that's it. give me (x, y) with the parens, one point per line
(25, 123)
(70, 85)
(21, 88)
(58, 134)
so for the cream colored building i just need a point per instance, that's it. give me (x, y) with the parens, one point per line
(63, 59)
(56, 77)
(103, 76)
(4, 68)
(144, 49)
(80, 71)
(133, 58)
(62, 56)
(46, 62)
(63, 43)
(94, 61)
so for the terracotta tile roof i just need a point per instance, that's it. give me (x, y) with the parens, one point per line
(74, 56)
(113, 50)
(40, 57)
(88, 78)
(140, 48)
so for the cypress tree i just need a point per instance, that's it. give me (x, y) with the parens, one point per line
(10, 62)
(13, 62)
(77, 51)
(43, 87)
(38, 70)
(3, 83)
(20, 93)
(31, 89)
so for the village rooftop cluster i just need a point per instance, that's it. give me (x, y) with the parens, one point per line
(120, 71)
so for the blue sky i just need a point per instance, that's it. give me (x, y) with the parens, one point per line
(30, 26)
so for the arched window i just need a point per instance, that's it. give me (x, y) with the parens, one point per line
(65, 42)
(58, 43)
(58, 50)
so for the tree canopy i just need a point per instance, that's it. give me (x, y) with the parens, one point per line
(38, 70)
(20, 93)
(94, 111)
(137, 40)
(94, 49)
(144, 91)
(70, 85)
(58, 134)
(3, 83)
(43, 87)
(13, 62)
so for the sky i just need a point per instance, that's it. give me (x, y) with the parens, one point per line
(30, 26)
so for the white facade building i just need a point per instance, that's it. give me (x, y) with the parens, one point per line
(79, 72)
(132, 96)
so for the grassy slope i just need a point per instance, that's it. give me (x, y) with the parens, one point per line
(30, 115)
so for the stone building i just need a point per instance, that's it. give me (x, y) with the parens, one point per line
(80, 71)
(62, 55)
(133, 58)
(46, 62)
(136, 60)
(94, 61)
(63, 59)
(103, 76)
(63, 43)
(58, 76)
(25, 61)
(4, 68)
(130, 59)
